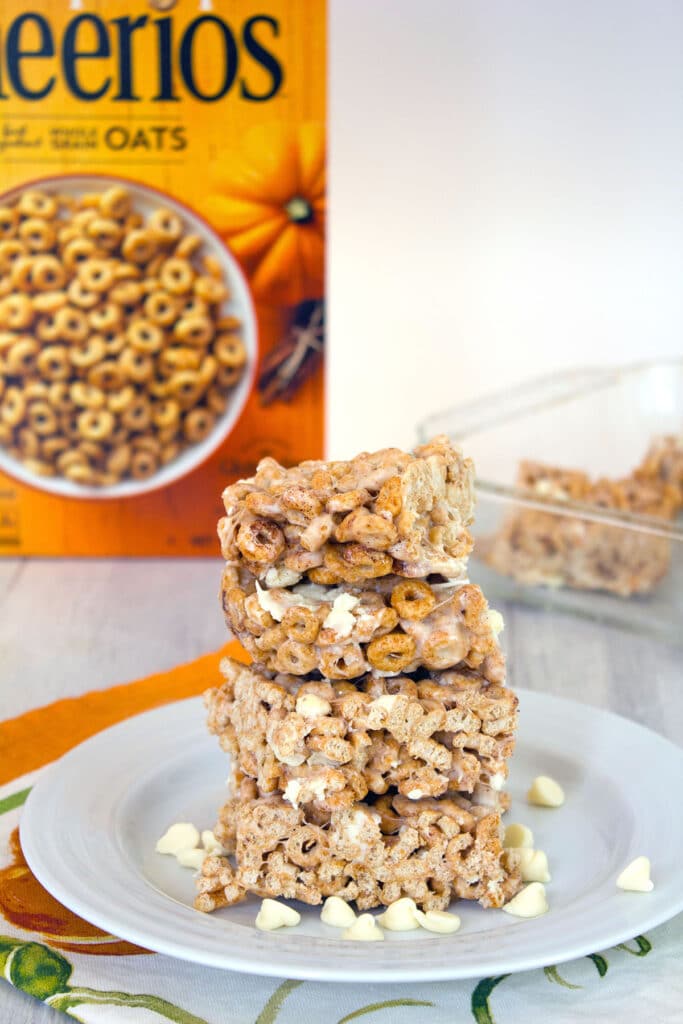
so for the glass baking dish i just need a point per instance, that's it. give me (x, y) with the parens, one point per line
(535, 541)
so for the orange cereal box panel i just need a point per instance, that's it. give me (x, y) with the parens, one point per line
(162, 264)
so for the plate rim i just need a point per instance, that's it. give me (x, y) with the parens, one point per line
(307, 968)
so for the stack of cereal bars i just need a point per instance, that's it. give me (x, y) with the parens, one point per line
(370, 736)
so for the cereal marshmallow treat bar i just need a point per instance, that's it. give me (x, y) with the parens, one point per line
(370, 738)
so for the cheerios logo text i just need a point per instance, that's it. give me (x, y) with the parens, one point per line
(94, 58)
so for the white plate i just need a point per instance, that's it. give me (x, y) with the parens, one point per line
(147, 199)
(90, 825)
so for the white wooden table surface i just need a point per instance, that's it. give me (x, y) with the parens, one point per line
(76, 625)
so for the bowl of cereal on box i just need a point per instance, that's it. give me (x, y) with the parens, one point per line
(127, 337)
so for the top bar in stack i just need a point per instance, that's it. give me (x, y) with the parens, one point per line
(381, 513)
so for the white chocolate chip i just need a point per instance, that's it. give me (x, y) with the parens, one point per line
(386, 701)
(309, 705)
(281, 576)
(529, 902)
(438, 921)
(497, 781)
(274, 915)
(191, 858)
(495, 622)
(340, 618)
(415, 794)
(399, 916)
(517, 835)
(532, 864)
(211, 844)
(337, 912)
(292, 792)
(364, 929)
(182, 836)
(636, 876)
(545, 792)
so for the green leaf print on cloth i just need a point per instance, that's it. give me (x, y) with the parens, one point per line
(388, 1004)
(44, 974)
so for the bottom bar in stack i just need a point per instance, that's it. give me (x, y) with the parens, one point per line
(387, 787)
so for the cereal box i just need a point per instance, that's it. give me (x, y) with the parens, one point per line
(162, 226)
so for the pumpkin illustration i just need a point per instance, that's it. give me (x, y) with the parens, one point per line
(26, 904)
(268, 202)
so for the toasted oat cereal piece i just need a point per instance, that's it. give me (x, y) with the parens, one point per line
(557, 549)
(430, 852)
(380, 513)
(451, 732)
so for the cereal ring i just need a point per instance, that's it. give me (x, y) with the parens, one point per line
(39, 467)
(161, 308)
(194, 306)
(46, 328)
(13, 407)
(38, 234)
(95, 424)
(212, 266)
(68, 424)
(115, 202)
(188, 246)
(347, 663)
(139, 246)
(48, 273)
(28, 443)
(82, 218)
(92, 450)
(51, 447)
(389, 498)
(21, 357)
(133, 221)
(136, 365)
(173, 359)
(368, 529)
(165, 413)
(137, 415)
(307, 846)
(121, 400)
(170, 452)
(145, 336)
(88, 354)
(72, 324)
(391, 653)
(413, 599)
(114, 343)
(86, 396)
(118, 460)
(53, 363)
(353, 562)
(228, 376)
(230, 351)
(49, 302)
(143, 465)
(127, 272)
(80, 473)
(105, 233)
(95, 275)
(198, 424)
(127, 294)
(33, 203)
(106, 376)
(176, 276)
(6, 431)
(79, 295)
(10, 250)
(77, 251)
(295, 658)
(301, 624)
(106, 317)
(208, 371)
(16, 312)
(58, 396)
(35, 389)
(9, 219)
(165, 225)
(147, 443)
(42, 418)
(193, 330)
(70, 457)
(21, 273)
(228, 323)
(210, 290)
(261, 541)
(216, 401)
(185, 387)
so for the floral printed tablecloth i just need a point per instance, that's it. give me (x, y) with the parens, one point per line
(68, 964)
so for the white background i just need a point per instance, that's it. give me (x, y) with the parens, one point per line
(506, 199)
